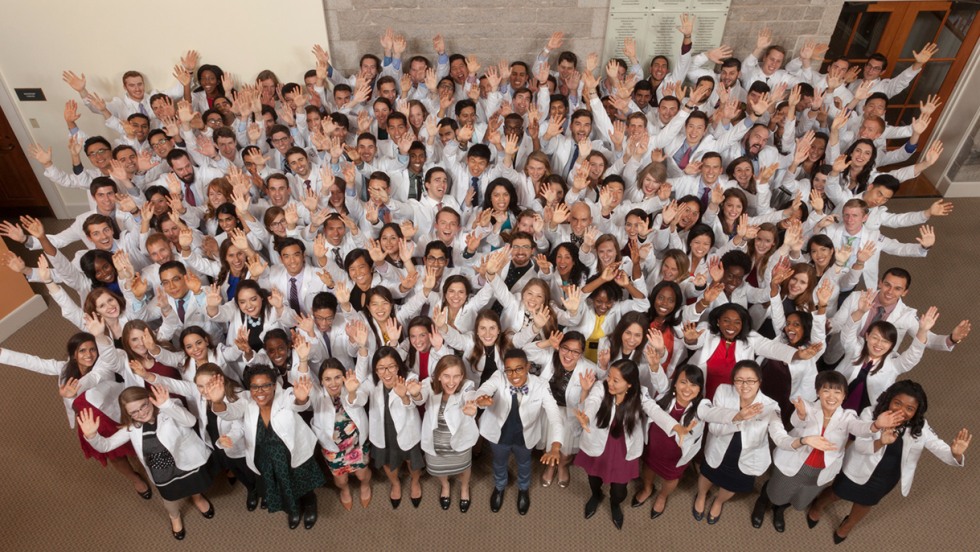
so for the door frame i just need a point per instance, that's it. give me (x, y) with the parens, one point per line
(22, 133)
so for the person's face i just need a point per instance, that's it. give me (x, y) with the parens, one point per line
(227, 147)
(878, 344)
(377, 189)
(694, 130)
(793, 329)
(615, 192)
(370, 68)
(558, 108)
(160, 203)
(360, 273)
(160, 252)
(533, 297)
(616, 383)
(135, 340)
(658, 69)
(684, 390)
(729, 325)
(104, 271)
(249, 302)
(446, 133)
(515, 370)
(396, 128)
(282, 141)
(564, 261)
(171, 231)
(341, 97)
(174, 283)
(606, 253)
(419, 336)
(904, 405)
(447, 226)
(514, 126)
(830, 397)
(184, 169)
(873, 69)
(105, 199)
(101, 235)
(201, 381)
(732, 207)
(278, 351)
(134, 87)
(500, 199)
(387, 370)
(278, 192)
(819, 182)
(870, 129)
(334, 231)
(268, 88)
(860, 156)
(196, 347)
(435, 263)
(580, 218)
(140, 411)
(455, 295)
(162, 109)
(85, 355)
(488, 331)
(746, 383)
(743, 174)
(323, 318)
(129, 160)
(780, 115)
(227, 222)
(817, 149)
(667, 110)
(700, 246)
(729, 76)
(437, 184)
(853, 218)
(669, 270)
(773, 61)
(141, 127)
(518, 76)
(733, 278)
(381, 113)
(757, 140)
(688, 213)
(642, 98)
(161, 145)
(569, 352)
(293, 259)
(367, 150)
(764, 241)
(262, 389)
(387, 91)
(99, 155)
(467, 116)
(633, 224)
(877, 196)
(451, 379)
(476, 165)
(445, 87)
(581, 128)
(665, 302)
(389, 242)
(268, 122)
(417, 71)
(299, 164)
(632, 337)
(601, 303)
(107, 306)
(841, 65)
(336, 198)
(821, 255)
(215, 121)
(891, 288)
(235, 258)
(416, 116)
(520, 103)
(458, 71)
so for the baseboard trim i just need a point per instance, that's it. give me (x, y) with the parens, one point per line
(19, 317)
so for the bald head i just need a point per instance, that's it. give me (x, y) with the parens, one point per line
(580, 217)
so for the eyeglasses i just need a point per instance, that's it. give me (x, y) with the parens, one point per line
(141, 410)
(324, 319)
(102, 151)
(522, 247)
(158, 143)
(282, 140)
(262, 387)
(568, 351)
(874, 67)
(514, 371)
(388, 368)
(277, 223)
(746, 382)
(437, 260)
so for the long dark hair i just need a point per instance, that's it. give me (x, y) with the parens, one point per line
(200, 332)
(417, 322)
(673, 317)
(87, 264)
(262, 293)
(579, 271)
(556, 357)
(864, 176)
(695, 376)
(383, 353)
(627, 415)
(912, 389)
(71, 369)
(616, 339)
(887, 331)
(503, 340)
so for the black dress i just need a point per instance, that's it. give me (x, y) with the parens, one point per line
(172, 482)
(727, 475)
(887, 474)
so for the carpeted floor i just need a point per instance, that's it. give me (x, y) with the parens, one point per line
(53, 499)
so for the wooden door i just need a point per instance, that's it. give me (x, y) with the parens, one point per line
(20, 192)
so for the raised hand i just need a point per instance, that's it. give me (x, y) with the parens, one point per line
(88, 423)
(159, 395)
(583, 420)
(301, 389)
(68, 389)
(691, 332)
(927, 236)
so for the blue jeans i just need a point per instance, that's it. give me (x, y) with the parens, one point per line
(501, 457)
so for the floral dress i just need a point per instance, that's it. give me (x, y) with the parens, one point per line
(353, 453)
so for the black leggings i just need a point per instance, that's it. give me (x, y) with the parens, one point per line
(617, 491)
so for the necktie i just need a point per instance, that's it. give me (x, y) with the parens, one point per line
(294, 296)
(878, 315)
(704, 196)
(685, 159)
(385, 213)
(337, 258)
(571, 162)
(142, 108)
(180, 310)
(438, 207)
(577, 240)
(326, 341)
(189, 195)
(307, 184)
(285, 167)
(415, 191)
(475, 184)
(522, 390)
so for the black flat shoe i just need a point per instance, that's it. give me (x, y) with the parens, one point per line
(464, 505)
(778, 520)
(759, 510)
(698, 516)
(445, 502)
(837, 538)
(263, 504)
(592, 505)
(712, 520)
(309, 518)
(811, 523)
(523, 502)
(210, 512)
(252, 500)
(617, 517)
(179, 535)
(395, 502)
(294, 519)
(148, 493)
(636, 503)
(496, 500)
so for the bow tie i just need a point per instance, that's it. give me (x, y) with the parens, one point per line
(515, 390)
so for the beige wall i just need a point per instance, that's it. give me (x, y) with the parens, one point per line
(103, 38)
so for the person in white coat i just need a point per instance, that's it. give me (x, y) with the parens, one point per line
(162, 434)
(279, 445)
(801, 474)
(874, 465)
(737, 448)
(449, 428)
(515, 403)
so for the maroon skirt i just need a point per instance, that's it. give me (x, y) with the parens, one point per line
(107, 428)
(662, 452)
(611, 466)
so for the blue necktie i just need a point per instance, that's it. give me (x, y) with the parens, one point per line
(571, 163)
(475, 184)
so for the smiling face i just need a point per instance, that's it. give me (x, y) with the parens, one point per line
(293, 259)
(729, 325)
(451, 379)
(904, 405)
(891, 288)
(387, 371)
(420, 338)
(694, 130)
(487, 331)
(616, 383)
(262, 389)
(684, 390)
(236, 259)
(85, 355)
(860, 156)
(101, 235)
(533, 297)
(499, 199)
(798, 284)
(601, 303)
(174, 283)
(249, 302)
(700, 246)
(606, 252)
(380, 308)
(456, 295)
(140, 411)
(632, 338)
(732, 208)
(878, 344)
(830, 397)
(515, 370)
(665, 302)
(564, 262)
(332, 381)
(793, 329)
(278, 350)
(746, 383)
(104, 271)
(360, 273)
(520, 251)
(669, 270)
(764, 241)
(196, 347)
(389, 242)
(821, 255)
(853, 218)
(107, 307)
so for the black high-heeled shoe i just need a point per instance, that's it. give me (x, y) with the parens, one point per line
(395, 502)
(837, 538)
(148, 493)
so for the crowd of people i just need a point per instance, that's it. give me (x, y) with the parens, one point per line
(638, 269)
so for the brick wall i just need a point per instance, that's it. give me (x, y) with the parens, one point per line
(516, 29)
